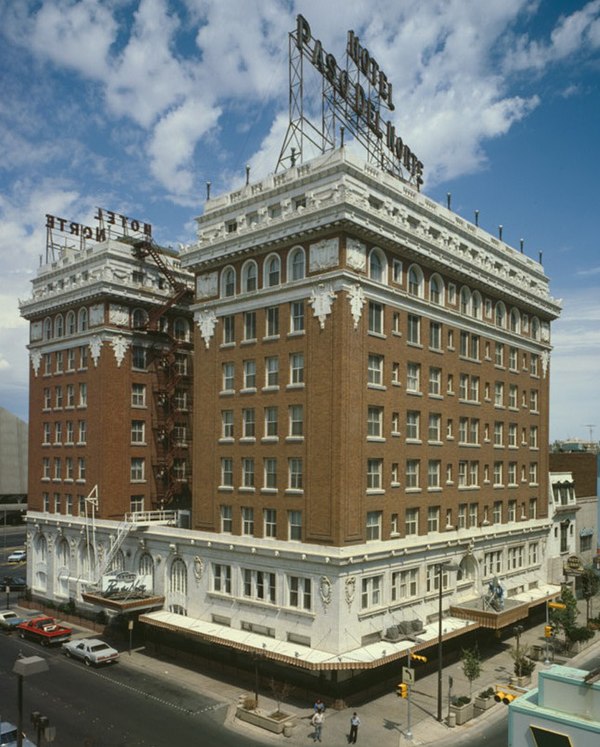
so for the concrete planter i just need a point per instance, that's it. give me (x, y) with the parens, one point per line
(520, 681)
(482, 704)
(275, 725)
(463, 713)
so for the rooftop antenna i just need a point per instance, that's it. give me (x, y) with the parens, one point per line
(449, 200)
(477, 217)
(207, 191)
(500, 232)
(591, 426)
(522, 245)
(247, 174)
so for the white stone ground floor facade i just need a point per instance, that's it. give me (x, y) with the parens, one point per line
(318, 607)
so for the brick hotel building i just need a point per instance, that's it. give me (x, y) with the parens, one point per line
(370, 401)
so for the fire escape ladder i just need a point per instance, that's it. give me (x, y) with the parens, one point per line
(124, 529)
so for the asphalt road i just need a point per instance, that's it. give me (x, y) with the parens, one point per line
(111, 707)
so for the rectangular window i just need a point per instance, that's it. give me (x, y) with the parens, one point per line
(297, 316)
(47, 398)
(227, 424)
(435, 335)
(434, 432)
(226, 472)
(45, 468)
(139, 359)
(71, 359)
(434, 469)
(462, 516)
(248, 423)
(296, 421)
(374, 474)
(405, 584)
(499, 394)
(497, 513)
(295, 478)
(512, 510)
(259, 585)
(375, 422)
(533, 400)
(371, 592)
(300, 594)
(138, 432)
(414, 329)
(226, 519)
(270, 473)
(58, 397)
(413, 418)
(82, 432)
(499, 354)
(138, 395)
(533, 437)
(272, 371)
(295, 526)
(228, 330)
(271, 420)
(222, 578)
(228, 376)
(138, 469)
(433, 519)
(513, 396)
(58, 433)
(534, 553)
(473, 515)
(250, 374)
(533, 473)
(70, 432)
(59, 361)
(297, 368)
(70, 395)
(492, 563)
(247, 520)
(375, 370)
(57, 468)
(413, 377)
(272, 321)
(249, 325)
(270, 522)
(412, 474)
(375, 318)
(247, 472)
(435, 381)
(373, 528)
(513, 359)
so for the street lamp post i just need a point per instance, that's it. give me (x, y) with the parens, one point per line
(517, 630)
(24, 666)
(441, 568)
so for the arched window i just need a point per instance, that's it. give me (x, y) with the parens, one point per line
(228, 282)
(146, 571)
(500, 314)
(515, 320)
(181, 329)
(377, 265)
(47, 328)
(59, 326)
(272, 271)
(87, 562)
(139, 318)
(535, 328)
(415, 281)
(249, 277)
(71, 325)
(436, 290)
(296, 264)
(41, 549)
(465, 301)
(177, 595)
(476, 304)
(62, 554)
(82, 320)
(62, 567)
(117, 564)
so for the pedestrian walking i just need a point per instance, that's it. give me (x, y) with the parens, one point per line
(317, 722)
(319, 706)
(354, 724)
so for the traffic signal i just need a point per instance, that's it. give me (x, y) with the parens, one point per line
(504, 697)
(548, 631)
(418, 658)
(402, 690)
(557, 606)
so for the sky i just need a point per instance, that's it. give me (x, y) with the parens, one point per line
(133, 105)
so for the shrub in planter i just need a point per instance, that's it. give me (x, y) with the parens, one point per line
(485, 699)
(462, 707)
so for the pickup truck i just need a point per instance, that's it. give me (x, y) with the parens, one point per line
(44, 629)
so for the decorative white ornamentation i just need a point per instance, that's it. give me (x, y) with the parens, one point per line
(357, 299)
(321, 300)
(206, 321)
(324, 254)
(545, 362)
(119, 345)
(207, 285)
(350, 590)
(36, 359)
(325, 589)
(545, 332)
(96, 315)
(95, 347)
(198, 567)
(119, 315)
(356, 254)
(36, 331)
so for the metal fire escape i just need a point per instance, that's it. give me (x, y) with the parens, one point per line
(172, 394)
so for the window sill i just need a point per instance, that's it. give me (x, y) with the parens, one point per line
(248, 390)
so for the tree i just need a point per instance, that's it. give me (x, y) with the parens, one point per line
(565, 619)
(280, 690)
(471, 665)
(524, 665)
(590, 586)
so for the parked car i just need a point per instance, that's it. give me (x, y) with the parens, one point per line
(44, 630)
(17, 556)
(8, 736)
(91, 651)
(16, 583)
(9, 618)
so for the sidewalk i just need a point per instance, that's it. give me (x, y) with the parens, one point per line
(383, 720)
